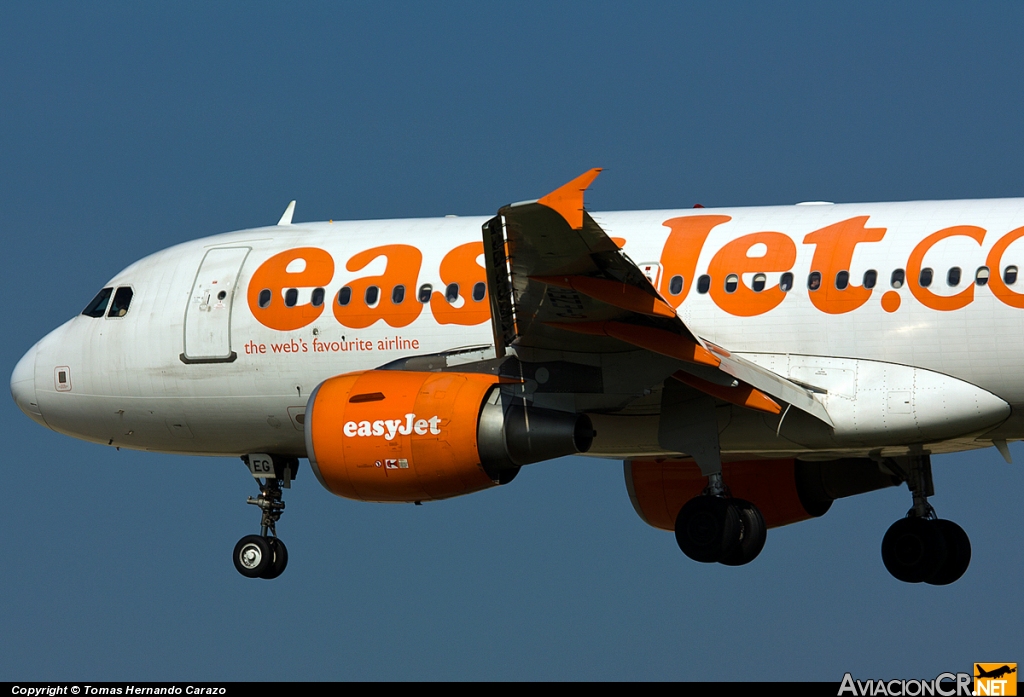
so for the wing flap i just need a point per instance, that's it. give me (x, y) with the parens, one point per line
(655, 340)
(740, 394)
(774, 385)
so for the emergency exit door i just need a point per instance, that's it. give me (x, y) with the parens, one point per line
(208, 313)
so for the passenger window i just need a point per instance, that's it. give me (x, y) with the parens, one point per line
(424, 295)
(122, 299)
(675, 285)
(786, 282)
(870, 278)
(291, 297)
(344, 296)
(704, 284)
(731, 283)
(451, 293)
(759, 280)
(925, 279)
(479, 291)
(981, 277)
(953, 277)
(897, 278)
(1010, 275)
(317, 298)
(264, 299)
(814, 281)
(398, 295)
(372, 295)
(99, 304)
(842, 280)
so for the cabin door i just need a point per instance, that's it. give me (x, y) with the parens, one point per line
(208, 313)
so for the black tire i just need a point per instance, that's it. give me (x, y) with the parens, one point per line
(753, 534)
(253, 556)
(913, 549)
(707, 528)
(958, 553)
(280, 553)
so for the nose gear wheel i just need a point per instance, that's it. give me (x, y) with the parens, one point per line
(264, 555)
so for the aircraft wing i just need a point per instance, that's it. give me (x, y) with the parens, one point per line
(557, 281)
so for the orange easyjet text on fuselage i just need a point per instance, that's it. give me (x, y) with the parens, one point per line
(396, 297)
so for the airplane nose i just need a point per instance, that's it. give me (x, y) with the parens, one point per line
(23, 386)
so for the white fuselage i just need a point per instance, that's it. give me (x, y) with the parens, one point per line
(158, 378)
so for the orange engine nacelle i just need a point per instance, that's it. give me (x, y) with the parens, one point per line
(391, 435)
(786, 491)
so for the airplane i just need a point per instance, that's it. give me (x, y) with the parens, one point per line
(995, 673)
(755, 365)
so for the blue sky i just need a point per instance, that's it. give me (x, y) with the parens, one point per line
(126, 128)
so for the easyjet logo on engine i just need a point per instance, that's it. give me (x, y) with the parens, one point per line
(389, 428)
(735, 278)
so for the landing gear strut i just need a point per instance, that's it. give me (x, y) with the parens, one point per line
(264, 555)
(921, 547)
(714, 527)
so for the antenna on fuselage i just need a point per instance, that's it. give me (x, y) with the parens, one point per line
(286, 217)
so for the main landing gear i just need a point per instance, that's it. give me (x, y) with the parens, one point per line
(922, 547)
(715, 527)
(264, 555)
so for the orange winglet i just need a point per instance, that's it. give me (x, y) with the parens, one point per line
(655, 340)
(742, 395)
(567, 200)
(620, 295)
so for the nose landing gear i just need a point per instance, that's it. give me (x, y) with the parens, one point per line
(265, 555)
(922, 548)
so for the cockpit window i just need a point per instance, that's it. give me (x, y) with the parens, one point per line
(99, 304)
(122, 299)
